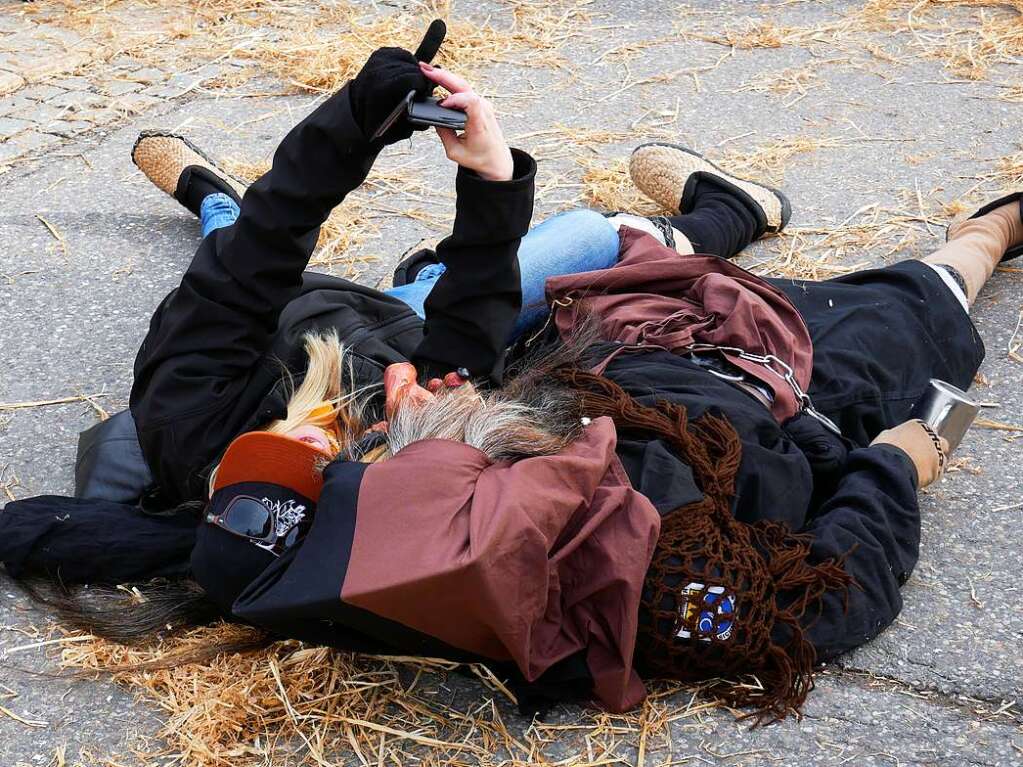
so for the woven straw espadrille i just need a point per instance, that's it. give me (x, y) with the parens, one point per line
(169, 160)
(668, 175)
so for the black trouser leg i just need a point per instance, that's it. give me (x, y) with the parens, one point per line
(720, 224)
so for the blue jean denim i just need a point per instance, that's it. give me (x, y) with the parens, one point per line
(216, 212)
(576, 241)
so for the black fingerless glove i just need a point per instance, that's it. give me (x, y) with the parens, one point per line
(382, 84)
(385, 80)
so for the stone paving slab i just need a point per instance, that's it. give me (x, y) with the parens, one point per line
(56, 83)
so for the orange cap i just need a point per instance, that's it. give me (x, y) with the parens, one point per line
(259, 456)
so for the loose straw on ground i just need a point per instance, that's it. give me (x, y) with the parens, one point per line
(289, 703)
(252, 708)
(89, 398)
(57, 235)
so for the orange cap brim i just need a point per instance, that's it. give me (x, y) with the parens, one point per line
(259, 456)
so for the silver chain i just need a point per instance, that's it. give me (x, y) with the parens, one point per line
(768, 361)
(772, 363)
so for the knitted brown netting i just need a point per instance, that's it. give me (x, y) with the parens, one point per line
(723, 599)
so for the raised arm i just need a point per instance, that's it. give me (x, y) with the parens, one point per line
(473, 307)
(210, 336)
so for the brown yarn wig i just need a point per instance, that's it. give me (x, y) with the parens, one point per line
(722, 598)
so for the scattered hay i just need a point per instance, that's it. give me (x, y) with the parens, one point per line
(50, 402)
(9, 481)
(767, 162)
(1012, 94)
(574, 141)
(33, 723)
(609, 188)
(627, 51)
(322, 59)
(798, 254)
(631, 83)
(988, 423)
(165, 34)
(348, 227)
(56, 234)
(890, 232)
(992, 34)
(1008, 171)
(1016, 340)
(753, 34)
(968, 37)
(230, 42)
(257, 707)
(956, 208)
(787, 82)
(288, 703)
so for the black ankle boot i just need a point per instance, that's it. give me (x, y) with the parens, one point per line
(718, 221)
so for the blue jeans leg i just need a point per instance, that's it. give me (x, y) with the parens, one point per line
(216, 212)
(569, 243)
(572, 242)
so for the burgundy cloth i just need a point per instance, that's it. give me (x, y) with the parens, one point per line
(653, 297)
(530, 561)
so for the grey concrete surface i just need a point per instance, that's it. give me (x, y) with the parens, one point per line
(924, 693)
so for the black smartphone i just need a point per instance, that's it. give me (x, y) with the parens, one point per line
(430, 112)
(425, 112)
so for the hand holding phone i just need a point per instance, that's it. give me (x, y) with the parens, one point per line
(481, 147)
(421, 113)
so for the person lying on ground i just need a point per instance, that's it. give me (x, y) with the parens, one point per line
(668, 467)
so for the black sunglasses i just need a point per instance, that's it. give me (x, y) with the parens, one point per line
(249, 517)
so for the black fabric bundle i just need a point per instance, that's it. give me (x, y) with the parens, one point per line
(78, 540)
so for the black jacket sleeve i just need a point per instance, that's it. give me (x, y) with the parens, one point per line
(473, 307)
(874, 520)
(207, 340)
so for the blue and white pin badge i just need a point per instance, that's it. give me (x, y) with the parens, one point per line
(712, 604)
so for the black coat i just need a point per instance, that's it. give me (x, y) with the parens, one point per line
(208, 371)
(210, 367)
(879, 337)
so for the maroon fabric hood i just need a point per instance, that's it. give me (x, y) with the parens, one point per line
(530, 561)
(653, 297)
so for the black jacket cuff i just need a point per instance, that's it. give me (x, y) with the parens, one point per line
(489, 211)
(896, 455)
(473, 307)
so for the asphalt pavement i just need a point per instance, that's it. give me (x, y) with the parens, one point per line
(943, 686)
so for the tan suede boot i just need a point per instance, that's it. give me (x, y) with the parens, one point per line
(979, 243)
